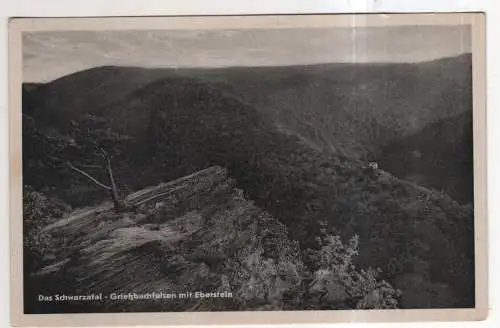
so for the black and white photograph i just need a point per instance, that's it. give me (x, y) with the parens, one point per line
(268, 168)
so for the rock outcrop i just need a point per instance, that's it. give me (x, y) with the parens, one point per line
(194, 234)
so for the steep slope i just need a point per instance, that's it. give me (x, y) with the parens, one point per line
(440, 157)
(195, 234)
(353, 109)
(180, 125)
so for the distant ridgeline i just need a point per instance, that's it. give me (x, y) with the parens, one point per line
(297, 142)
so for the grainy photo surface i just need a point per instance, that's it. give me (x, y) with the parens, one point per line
(269, 169)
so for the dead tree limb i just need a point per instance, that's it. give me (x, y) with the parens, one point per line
(88, 176)
(117, 201)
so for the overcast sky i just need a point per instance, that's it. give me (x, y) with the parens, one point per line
(49, 55)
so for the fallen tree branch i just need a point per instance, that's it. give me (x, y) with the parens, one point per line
(88, 176)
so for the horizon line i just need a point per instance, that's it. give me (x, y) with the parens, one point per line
(469, 53)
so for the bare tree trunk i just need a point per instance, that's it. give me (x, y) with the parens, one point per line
(119, 204)
(117, 201)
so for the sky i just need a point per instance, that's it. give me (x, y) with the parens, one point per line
(50, 55)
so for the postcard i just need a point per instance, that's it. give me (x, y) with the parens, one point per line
(248, 169)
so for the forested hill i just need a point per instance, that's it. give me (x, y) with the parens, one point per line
(351, 109)
(440, 156)
(173, 126)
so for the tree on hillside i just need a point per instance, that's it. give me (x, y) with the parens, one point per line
(112, 188)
